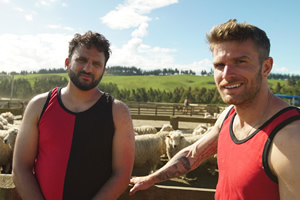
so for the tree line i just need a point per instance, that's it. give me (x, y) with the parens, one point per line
(119, 71)
(22, 89)
(131, 71)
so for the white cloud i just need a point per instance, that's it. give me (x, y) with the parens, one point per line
(141, 31)
(277, 69)
(68, 28)
(29, 17)
(137, 54)
(132, 13)
(33, 52)
(64, 5)
(124, 18)
(45, 2)
(56, 26)
(53, 26)
(5, 1)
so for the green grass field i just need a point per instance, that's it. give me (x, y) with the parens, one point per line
(167, 83)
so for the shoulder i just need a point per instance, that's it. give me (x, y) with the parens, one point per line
(120, 109)
(223, 116)
(36, 104)
(284, 154)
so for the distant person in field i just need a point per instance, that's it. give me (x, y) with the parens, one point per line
(76, 142)
(186, 104)
(256, 138)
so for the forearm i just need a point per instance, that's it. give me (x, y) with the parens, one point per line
(177, 166)
(113, 188)
(185, 160)
(27, 186)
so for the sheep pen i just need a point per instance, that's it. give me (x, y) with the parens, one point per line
(198, 178)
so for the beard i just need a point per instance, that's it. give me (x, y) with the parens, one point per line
(82, 85)
(246, 97)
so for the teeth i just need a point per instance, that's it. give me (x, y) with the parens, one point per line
(233, 86)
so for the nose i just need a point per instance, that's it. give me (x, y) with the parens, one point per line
(228, 72)
(88, 66)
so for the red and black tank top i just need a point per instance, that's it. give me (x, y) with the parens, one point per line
(244, 172)
(74, 157)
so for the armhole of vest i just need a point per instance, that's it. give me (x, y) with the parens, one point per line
(225, 118)
(46, 103)
(268, 145)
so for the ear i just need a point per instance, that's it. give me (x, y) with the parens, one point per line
(267, 67)
(104, 70)
(67, 62)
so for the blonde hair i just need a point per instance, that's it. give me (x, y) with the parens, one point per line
(233, 31)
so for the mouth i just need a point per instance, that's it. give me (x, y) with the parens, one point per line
(85, 76)
(232, 86)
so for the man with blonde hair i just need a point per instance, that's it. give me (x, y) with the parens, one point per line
(257, 137)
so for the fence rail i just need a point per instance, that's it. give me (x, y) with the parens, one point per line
(9, 192)
(171, 109)
(156, 111)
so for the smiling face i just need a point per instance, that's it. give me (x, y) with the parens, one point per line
(86, 67)
(237, 71)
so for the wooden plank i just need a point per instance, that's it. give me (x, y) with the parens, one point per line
(159, 192)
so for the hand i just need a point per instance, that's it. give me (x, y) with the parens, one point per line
(139, 183)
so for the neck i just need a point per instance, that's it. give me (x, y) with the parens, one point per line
(252, 116)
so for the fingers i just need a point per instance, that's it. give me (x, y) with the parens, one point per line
(138, 184)
(132, 191)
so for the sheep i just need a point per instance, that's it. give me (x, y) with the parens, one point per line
(145, 129)
(176, 141)
(148, 149)
(217, 115)
(166, 127)
(3, 120)
(1, 126)
(199, 130)
(10, 138)
(6, 154)
(8, 116)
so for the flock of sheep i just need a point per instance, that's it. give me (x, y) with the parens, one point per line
(8, 133)
(151, 145)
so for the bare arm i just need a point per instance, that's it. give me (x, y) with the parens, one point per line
(184, 161)
(26, 150)
(123, 154)
(284, 160)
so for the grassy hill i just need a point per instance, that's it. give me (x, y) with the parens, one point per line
(167, 83)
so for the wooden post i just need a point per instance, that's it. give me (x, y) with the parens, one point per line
(7, 188)
(174, 122)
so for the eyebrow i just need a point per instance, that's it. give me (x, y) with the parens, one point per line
(241, 57)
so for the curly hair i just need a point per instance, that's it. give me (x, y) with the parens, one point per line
(233, 31)
(90, 39)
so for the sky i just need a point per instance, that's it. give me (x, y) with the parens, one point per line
(147, 34)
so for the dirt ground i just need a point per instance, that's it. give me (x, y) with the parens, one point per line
(198, 178)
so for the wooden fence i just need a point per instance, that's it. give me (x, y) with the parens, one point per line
(158, 192)
(172, 109)
(157, 112)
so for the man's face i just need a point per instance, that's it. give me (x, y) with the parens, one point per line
(86, 67)
(237, 71)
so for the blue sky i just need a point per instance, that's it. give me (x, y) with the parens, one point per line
(147, 34)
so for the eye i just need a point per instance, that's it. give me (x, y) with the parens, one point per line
(81, 60)
(97, 64)
(219, 65)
